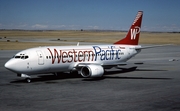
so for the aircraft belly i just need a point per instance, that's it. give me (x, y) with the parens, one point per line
(58, 67)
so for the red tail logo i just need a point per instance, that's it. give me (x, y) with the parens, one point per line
(132, 36)
(134, 32)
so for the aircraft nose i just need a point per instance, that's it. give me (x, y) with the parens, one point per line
(10, 65)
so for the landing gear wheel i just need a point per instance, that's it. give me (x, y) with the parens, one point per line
(28, 80)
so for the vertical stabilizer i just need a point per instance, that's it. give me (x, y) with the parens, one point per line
(132, 36)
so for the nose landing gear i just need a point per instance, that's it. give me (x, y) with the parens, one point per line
(28, 78)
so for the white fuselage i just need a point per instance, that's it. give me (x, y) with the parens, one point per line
(64, 58)
(89, 61)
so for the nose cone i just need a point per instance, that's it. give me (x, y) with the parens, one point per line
(10, 65)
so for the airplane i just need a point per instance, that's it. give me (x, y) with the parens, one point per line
(88, 60)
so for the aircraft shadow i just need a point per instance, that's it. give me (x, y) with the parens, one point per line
(117, 77)
(50, 77)
(129, 70)
(110, 75)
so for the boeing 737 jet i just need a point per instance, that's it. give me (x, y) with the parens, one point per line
(89, 61)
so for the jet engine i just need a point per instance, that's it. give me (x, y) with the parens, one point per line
(92, 71)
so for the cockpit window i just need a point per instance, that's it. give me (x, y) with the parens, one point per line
(17, 57)
(26, 57)
(21, 57)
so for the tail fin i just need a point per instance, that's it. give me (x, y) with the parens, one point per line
(132, 36)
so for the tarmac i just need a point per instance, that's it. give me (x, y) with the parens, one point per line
(153, 86)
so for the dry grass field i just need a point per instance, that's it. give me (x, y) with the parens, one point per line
(12, 40)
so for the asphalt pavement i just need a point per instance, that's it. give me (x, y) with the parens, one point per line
(153, 86)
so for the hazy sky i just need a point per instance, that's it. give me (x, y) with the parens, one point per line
(159, 15)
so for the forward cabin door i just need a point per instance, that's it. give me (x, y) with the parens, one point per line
(40, 57)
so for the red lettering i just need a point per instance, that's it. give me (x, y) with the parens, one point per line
(85, 55)
(64, 56)
(80, 54)
(71, 56)
(91, 54)
(74, 55)
(55, 55)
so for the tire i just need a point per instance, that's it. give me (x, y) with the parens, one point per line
(28, 80)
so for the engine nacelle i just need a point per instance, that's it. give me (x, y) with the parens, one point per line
(92, 71)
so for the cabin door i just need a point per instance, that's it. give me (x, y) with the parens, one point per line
(40, 57)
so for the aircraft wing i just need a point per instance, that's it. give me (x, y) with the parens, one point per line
(109, 66)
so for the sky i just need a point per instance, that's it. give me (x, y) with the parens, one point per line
(159, 15)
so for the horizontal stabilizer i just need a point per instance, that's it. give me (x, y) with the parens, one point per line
(147, 47)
